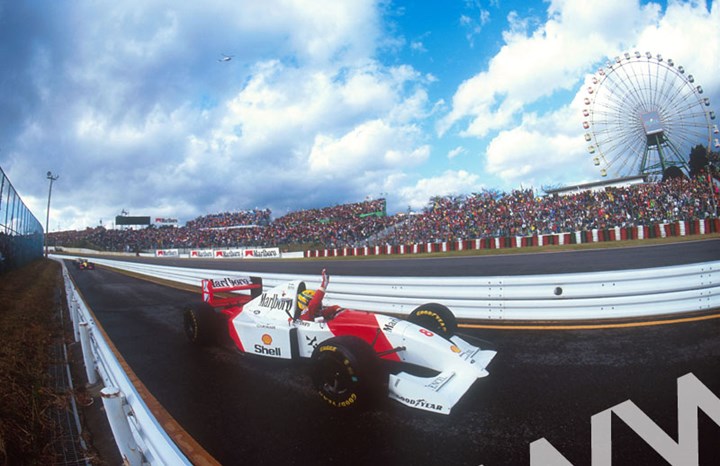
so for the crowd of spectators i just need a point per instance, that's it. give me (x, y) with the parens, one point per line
(478, 215)
(523, 213)
(335, 226)
(255, 217)
(338, 226)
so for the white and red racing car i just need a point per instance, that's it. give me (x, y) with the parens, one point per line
(428, 366)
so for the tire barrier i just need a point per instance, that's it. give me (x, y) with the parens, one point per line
(577, 296)
(662, 230)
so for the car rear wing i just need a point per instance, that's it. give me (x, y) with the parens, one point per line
(228, 285)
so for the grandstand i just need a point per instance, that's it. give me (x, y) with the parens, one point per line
(598, 185)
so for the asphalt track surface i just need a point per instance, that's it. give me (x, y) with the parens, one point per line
(543, 383)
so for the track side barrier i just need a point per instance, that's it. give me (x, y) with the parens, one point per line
(139, 436)
(597, 295)
(617, 233)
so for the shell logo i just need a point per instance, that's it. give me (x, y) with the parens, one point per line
(267, 339)
(455, 349)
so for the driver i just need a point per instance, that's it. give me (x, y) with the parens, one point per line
(310, 302)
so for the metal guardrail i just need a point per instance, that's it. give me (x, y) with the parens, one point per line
(597, 295)
(630, 293)
(140, 438)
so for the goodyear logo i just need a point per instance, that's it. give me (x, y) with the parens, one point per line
(340, 404)
(434, 316)
(419, 403)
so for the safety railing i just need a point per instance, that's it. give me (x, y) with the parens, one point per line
(140, 438)
(598, 295)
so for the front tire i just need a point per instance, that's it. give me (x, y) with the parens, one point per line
(201, 324)
(346, 372)
(436, 318)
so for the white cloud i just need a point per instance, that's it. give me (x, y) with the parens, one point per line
(417, 46)
(369, 146)
(449, 183)
(291, 107)
(338, 124)
(455, 152)
(474, 24)
(533, 65)
(690, 35)
(542, 149)
(532, 157)
(149, 117)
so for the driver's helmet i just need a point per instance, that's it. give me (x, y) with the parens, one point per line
(304, 298)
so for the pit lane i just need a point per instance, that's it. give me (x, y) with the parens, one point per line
(543, 383)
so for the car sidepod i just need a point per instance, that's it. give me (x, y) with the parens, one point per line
(270, 338)
(459, 365)
(265, 326)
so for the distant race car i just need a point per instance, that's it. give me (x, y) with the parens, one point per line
(354, 355)
(84, 264)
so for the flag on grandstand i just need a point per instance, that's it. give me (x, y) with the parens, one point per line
(379, 213)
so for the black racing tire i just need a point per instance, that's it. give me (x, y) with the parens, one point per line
(436, 318)
(201, 324)
(346, 372)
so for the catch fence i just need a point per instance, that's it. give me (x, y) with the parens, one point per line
(21, 234)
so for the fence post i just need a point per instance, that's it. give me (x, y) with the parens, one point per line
(75, 317)
(87, 354)
(120, 426)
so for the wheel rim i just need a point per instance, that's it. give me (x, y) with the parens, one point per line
(333, 378)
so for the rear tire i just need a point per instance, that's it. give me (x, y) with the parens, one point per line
(201, 324)
(436, 318)
(346, 372)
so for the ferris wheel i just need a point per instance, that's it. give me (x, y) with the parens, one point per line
(644, 114)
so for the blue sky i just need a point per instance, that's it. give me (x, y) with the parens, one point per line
(322, 102)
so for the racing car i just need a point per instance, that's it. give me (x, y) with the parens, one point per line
(84, 264)
(355, 356)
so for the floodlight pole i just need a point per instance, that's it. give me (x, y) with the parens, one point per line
(52, 178)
